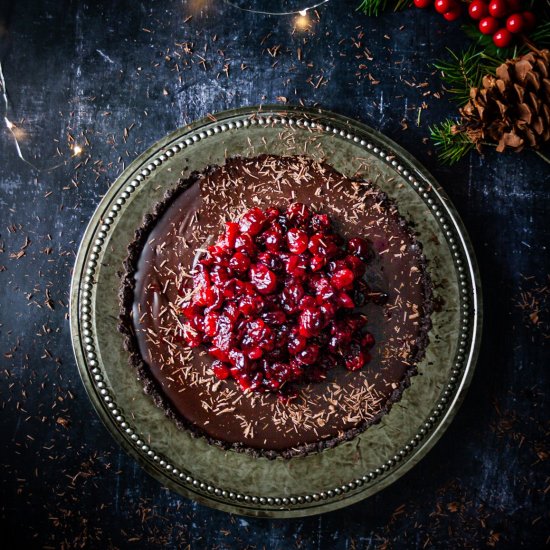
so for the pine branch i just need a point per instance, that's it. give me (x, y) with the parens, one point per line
(541, 35)
(376, 7)
(466, 70)
(451, 144)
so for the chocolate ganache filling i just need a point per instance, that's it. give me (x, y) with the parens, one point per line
(161, 261)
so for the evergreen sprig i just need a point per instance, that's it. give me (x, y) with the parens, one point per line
(451, 145)
(465, 70)
(376, 7)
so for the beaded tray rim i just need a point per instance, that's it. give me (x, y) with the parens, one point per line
(82, 312)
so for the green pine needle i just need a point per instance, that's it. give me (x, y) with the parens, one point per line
(466, 70)
(376, 7)
(541, 35)
(451, 146)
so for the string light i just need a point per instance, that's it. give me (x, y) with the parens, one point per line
(302, 21)
(77, 150)
(18, 134)
(302, 12)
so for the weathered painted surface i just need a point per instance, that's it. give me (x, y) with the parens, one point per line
(117, 76)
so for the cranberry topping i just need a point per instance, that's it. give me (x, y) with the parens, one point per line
(274, 301)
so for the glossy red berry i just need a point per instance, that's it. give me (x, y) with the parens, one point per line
(502, 38)
(515, 23)
(478, 9)
(442, 6)
(498, 8)
(423, 3)
(529, 19)
(252, 222)
(488, 25)
(515, 5)
(297, 240)
(274, 301)
(221, 370)
(263, 279)
(342, 278)
(453, 14)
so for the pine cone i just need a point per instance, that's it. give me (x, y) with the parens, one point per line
(513, 108)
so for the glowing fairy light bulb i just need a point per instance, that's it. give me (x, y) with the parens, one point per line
(302, 21)
(77, 150)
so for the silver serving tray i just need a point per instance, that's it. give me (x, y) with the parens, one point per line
(236, 482)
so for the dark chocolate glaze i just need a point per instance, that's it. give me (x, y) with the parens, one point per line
(179, 379)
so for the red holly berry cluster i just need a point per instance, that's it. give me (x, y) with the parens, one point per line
(274, 300)
(499, 18)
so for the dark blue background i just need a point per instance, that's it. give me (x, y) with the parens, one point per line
(90, 70)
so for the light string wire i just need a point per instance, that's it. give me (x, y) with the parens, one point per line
(302, 12)
(13, 130)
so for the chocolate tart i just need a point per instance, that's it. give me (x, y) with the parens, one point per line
(180, 381)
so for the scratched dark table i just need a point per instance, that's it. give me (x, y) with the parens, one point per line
(112, 77)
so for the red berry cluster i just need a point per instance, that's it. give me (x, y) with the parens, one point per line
(499, 18)
(502, 19)
(274, 300)
(450, 9)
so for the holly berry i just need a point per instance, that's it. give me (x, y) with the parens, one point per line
(442, 6)
(515, 23)
(514, 5)
(453, 14)
(423, 3)
(502, 38)
(488, 25)
(478, 10)
(498, 8)
(529, 20)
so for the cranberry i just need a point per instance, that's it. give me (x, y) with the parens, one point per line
(204, 294)
(231, 233)
(221, 370)
(355, 361)
(342, 278)
(356, 265)
(273, 301)
(272, 238)
(360, 248)
(310, 322)
(296, 342)
(252, 222)
(322, 245)
(239, 262)
(297, 240)
(308, 355)
(298, 214)
(320, 222)
(317, 262)
(211, 323)
(245, 244)
(263, 279)
(297, 266)
(368, 340)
